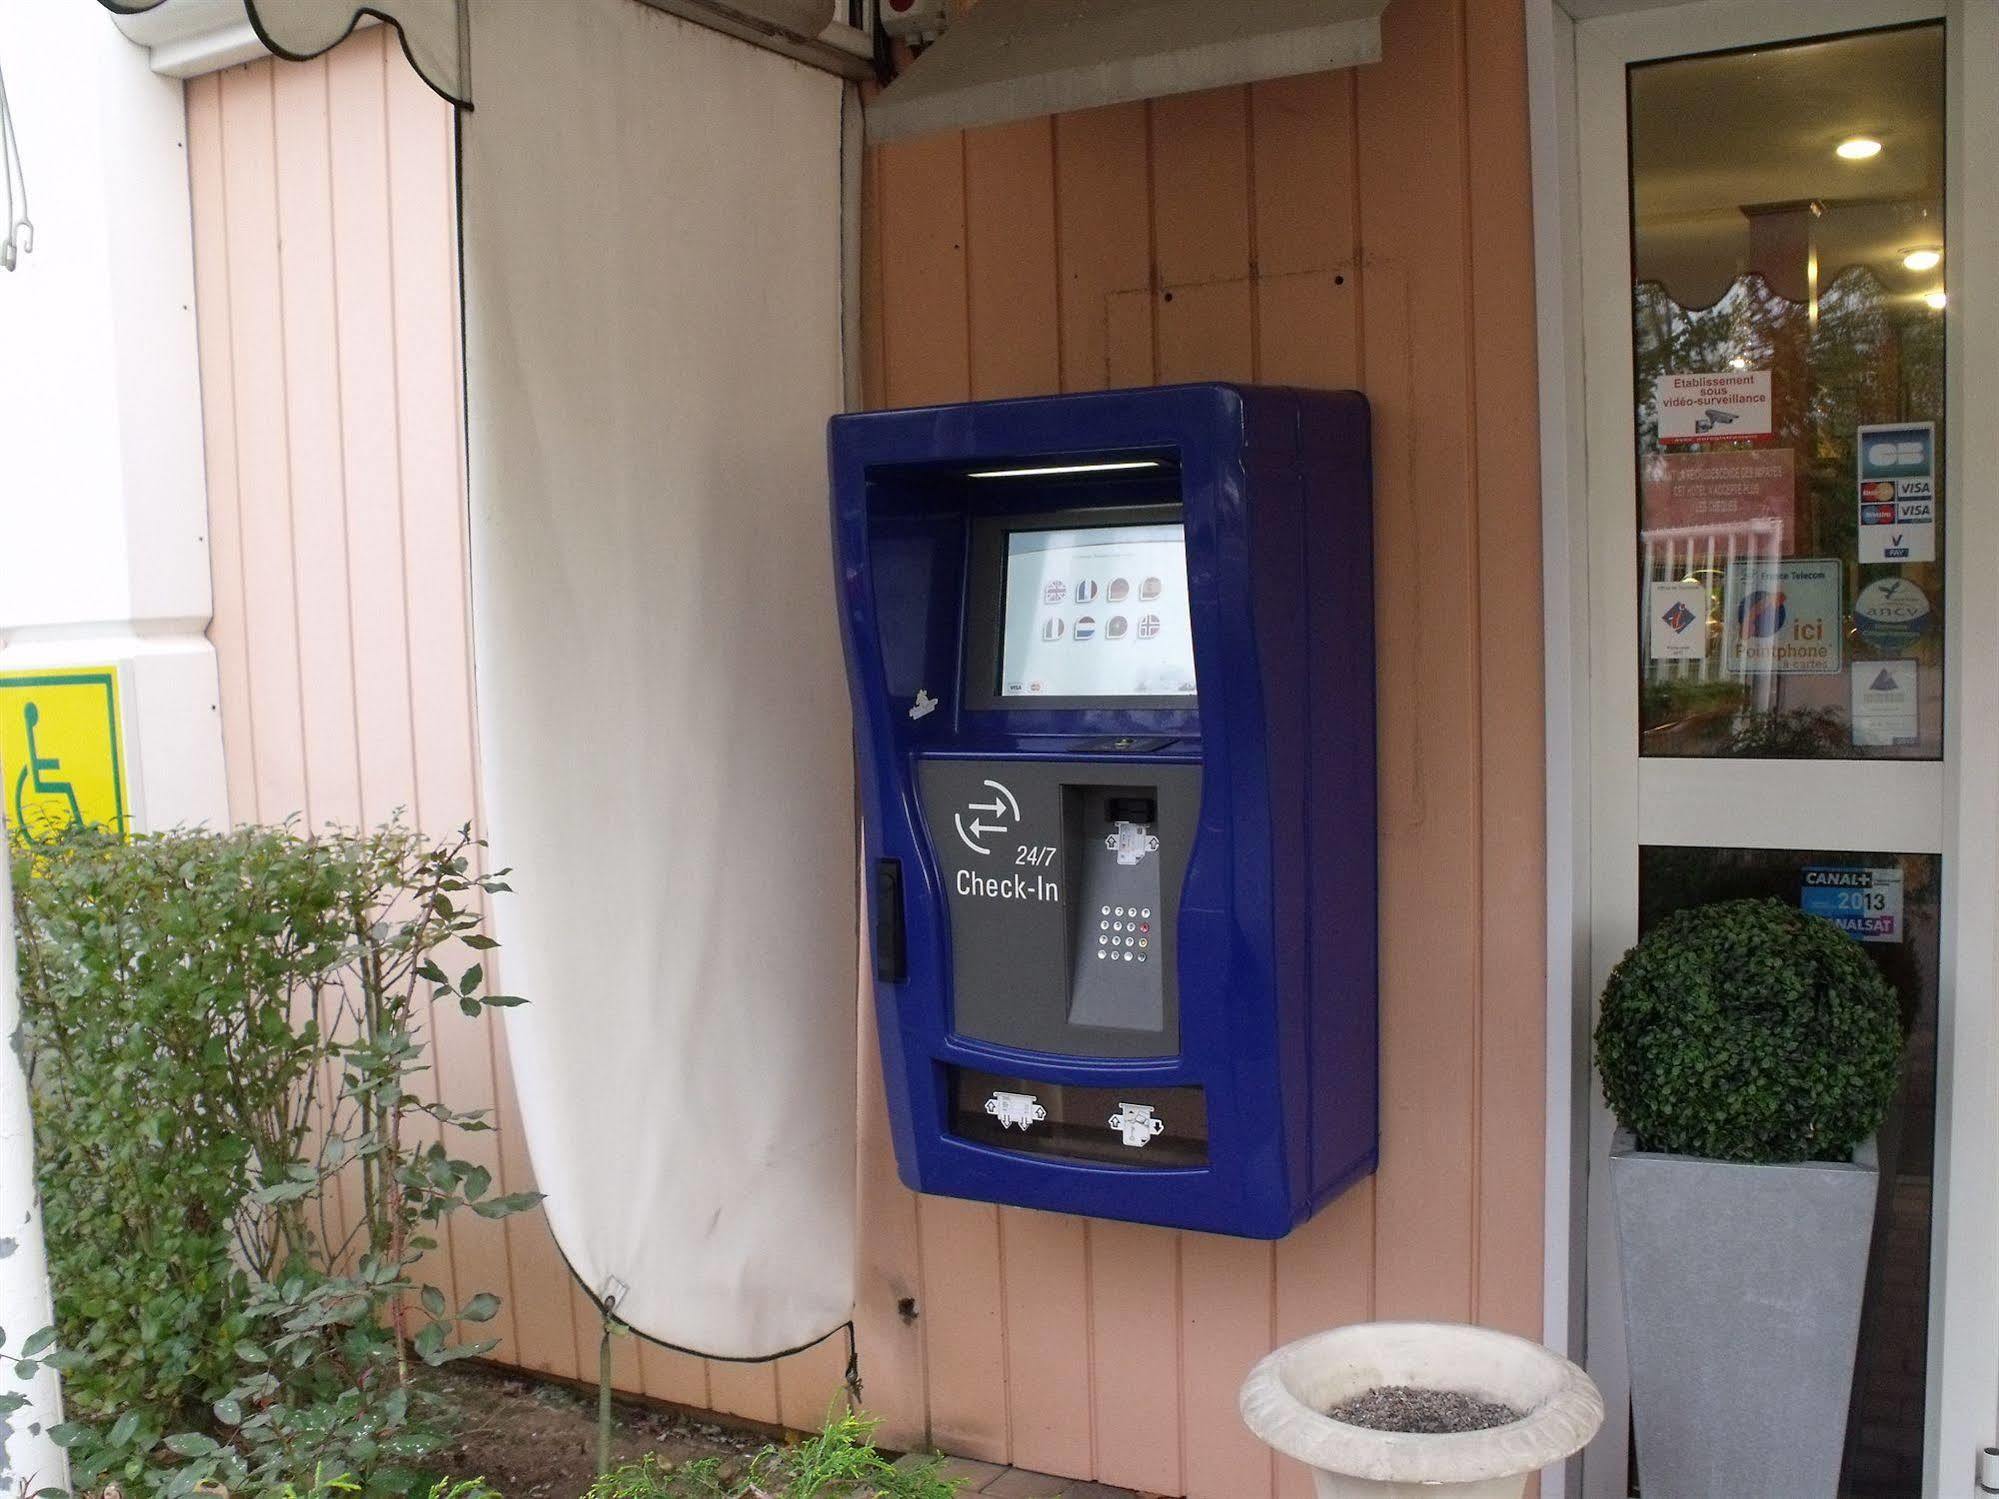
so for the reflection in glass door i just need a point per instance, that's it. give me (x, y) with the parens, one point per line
(1774, 534)
(1787, 331)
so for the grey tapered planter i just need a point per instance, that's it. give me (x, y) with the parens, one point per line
(1742, 1289)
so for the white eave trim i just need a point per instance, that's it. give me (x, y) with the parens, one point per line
(188, 38)
(1018, 59)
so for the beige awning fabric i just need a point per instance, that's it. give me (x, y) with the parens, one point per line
(1016, 59)
(436, 34)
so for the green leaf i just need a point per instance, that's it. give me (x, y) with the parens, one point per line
(512, 1202)
(192, 1444)
(37, 1343)
(472, 978)
(481, 1308)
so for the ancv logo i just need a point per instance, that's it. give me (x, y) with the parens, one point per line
(1891, 614)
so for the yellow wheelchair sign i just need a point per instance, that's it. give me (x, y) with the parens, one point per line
(62, 754)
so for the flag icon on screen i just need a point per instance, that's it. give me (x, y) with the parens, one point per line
(1051, 629)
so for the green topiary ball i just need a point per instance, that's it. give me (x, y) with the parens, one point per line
(1749, 1031)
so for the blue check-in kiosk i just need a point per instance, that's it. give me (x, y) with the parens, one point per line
(1112, 662)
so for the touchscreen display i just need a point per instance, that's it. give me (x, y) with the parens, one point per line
(1097, 612)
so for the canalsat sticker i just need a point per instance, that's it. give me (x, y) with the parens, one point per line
(1865, 903)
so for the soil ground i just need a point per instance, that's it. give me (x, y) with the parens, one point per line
(535, 1439)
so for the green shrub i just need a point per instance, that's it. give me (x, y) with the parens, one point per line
(217, 1026)
(1749, 1031)
(839, 1461)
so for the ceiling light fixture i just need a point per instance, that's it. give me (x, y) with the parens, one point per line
(1925, 259)
(1859, 148)
(1936, 301)
(1063, 468)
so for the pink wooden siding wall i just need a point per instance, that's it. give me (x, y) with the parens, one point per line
(1368, 228)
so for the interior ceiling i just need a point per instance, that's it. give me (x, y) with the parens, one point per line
(1731, 150)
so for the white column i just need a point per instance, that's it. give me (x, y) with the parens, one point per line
(103, 511)
(103, 500)
(31, 1460)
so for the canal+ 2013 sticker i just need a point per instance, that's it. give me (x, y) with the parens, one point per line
(1892, 614)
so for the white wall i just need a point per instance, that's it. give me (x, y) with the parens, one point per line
(103, 519)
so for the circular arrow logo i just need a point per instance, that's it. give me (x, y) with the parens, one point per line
(1003, 808)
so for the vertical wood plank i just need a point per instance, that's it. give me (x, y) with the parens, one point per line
(1010, 243)
(1414, 312)
(1202, 237)
(963, 1332)
(1512, 1087)
(811, 1386)
(320, 578)
(257, 319)
(1200, 186)
(1103, 242)
(1135, 1355)
(667, 1375)
(311, 351)
(923, 271)
(890, 1301)
(1049, 1367)
(746, 1390)
(1307, 292)
(1225, 1327)
(357, 83)
(209, 209)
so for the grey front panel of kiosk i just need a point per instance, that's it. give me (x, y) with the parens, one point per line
(1063, 880)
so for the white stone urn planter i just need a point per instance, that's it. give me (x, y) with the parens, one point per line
(1285, 1398)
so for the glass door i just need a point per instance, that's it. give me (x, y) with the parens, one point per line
(1767, 293)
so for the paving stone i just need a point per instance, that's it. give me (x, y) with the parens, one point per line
(972, 1476)
(1095, 1491)
(1018, 1483)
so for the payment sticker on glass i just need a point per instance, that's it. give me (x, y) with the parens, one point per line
(1898, 492)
